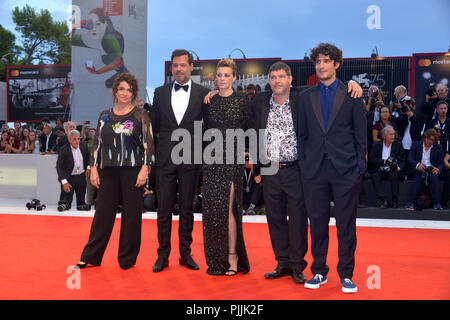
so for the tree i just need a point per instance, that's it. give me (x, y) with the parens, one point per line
(43, 41)
(7, 49)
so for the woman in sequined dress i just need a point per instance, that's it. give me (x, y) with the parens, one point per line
(222, 182)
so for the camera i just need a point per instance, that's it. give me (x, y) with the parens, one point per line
(35, 204)
(84, 207)
(247, 157)
(406, 104)
(374, 99)
(431, 89)
(425, 175)
(392, 163)
(62, 206)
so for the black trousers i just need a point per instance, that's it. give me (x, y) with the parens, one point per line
(345, 191)
(78, 183)
(169, 179)
(117, 184)
(286, 217)
(392, 177)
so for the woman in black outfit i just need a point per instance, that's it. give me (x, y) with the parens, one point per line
(122, 148)
(223, 182)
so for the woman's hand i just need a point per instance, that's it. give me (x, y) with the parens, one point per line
(142, 177)
(94, 178)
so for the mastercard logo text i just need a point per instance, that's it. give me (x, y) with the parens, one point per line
(14, 73)
(424, 62)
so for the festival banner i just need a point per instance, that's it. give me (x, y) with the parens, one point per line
(429, 70)
(36, 92)
(250, 71)
(108, 37)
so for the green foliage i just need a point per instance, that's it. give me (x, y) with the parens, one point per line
(42, 40)
(7, 46)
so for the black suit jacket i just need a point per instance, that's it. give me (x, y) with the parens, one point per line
(51, 142)
(164, 121)
(345, 139)
(416, 153)
(65, 162)
(376, 154)
(260, 110)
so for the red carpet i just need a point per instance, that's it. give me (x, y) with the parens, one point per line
(36, 251)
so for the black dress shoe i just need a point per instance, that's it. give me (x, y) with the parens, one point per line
(188, 262)
(298, 276)
(80, 265)
(278, 273)
(126, 266)
(160, 264)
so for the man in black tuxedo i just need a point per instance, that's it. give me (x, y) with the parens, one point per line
(332, 153)
(387, 158)
(176, 105)
(72, 167)
(426, 160)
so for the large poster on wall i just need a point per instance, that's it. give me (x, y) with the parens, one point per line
(36, 92)
(250, 71)
(108, 37)
(429, 70)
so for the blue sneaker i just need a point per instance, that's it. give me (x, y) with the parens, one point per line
(316, 282)
(348, 286)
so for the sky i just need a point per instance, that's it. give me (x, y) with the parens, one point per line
(281, 28)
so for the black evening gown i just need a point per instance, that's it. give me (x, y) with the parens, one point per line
(232, 112)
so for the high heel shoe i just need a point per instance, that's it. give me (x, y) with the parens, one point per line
(231, 272)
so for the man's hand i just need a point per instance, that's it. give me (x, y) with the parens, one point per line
(142, 177)
(421, 167)
(67, 187)
(258, 179)
(354, 89)
(435, 171)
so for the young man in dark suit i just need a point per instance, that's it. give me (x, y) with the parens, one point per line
(332, 153)
(176, 105)
(426, 157)
(72, 167)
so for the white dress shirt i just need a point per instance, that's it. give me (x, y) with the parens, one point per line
(180, 101)
(386, 151)
(78, 163)
(426, 157)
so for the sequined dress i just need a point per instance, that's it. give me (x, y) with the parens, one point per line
(232, 112)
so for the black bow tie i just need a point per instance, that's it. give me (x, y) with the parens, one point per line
(178, 87)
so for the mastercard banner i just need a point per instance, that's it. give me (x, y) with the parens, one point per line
(429, 69)
(36, 92)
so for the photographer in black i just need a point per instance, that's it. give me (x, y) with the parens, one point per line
(434, 95)
(253, 189)
(441, 123)
(426, 159)
(373, 104)
(386, 159)
(410, 126)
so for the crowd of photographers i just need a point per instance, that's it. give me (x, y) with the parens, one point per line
(407, 144)
(403, 144)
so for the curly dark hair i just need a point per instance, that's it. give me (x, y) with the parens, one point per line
(327, 49)
(132, 82)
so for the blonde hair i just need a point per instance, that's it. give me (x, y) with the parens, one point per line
(228, 62)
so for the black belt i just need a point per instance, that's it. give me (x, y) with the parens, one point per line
(287, 164)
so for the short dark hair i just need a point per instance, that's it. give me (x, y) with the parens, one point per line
(442, 102)
(327, 49)
(279, 65)
(182, 52)
(132, 82)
